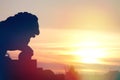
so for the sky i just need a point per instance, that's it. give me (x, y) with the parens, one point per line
(73, 32)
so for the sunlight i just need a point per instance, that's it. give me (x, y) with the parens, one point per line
(90, 60)
(91, 55)
(89, 52)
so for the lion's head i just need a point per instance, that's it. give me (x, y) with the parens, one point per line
(16, 31)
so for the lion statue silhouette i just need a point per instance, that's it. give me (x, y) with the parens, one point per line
(16, 32)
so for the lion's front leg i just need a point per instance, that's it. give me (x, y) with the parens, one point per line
(26, 53)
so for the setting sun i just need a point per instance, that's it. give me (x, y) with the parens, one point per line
(91, 55)
(89, 51)
(90, 60)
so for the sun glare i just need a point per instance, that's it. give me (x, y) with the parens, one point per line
(90, 60)
(89, 55)
(89, 52)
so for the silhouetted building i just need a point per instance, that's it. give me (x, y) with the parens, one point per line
(26, 70)
(71, 74)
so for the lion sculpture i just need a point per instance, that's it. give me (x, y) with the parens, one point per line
(15, 34)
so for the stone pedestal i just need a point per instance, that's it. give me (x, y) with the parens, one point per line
(25, 70)
(18, 70)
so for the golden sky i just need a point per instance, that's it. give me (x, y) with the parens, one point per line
(73, 32)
